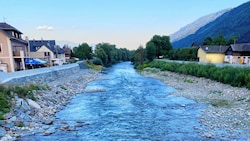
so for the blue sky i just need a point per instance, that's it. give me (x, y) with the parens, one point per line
(125, 23)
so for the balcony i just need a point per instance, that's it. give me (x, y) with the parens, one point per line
(18, 54)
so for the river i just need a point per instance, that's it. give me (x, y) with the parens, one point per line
(132, 107)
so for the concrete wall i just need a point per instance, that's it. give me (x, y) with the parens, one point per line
(41, 75)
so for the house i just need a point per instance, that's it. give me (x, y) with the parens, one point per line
(212, 54)
(47, 50)
(238, 54)
(13, 49)
(67, 53)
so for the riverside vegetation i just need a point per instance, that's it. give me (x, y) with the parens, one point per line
(7, 92)
(228, 112)
(235, 76)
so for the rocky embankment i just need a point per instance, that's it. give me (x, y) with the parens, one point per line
(30, 117)
(228, 112)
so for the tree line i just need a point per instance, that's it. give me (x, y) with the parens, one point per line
(220, 40)
(105, 54)
(160, 47)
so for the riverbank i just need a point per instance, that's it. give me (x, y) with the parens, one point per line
(228, 113)
(29, 117)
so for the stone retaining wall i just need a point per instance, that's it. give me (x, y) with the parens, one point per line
(41, 75)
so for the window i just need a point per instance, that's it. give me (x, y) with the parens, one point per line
(46, 53)
(1, 48)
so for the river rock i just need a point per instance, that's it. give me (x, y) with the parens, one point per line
(13, 118)
(65, 127)
(79, 121)
(22, 104)
(33, 104)
(4, 139)
(8, 126)
(2, 122)
(21, 115)
(48, 122)
(79, 125)
(8, 115)
(49, 131)
(2, 132)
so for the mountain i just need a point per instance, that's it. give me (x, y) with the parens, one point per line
(69, 43)
(233, 23)
(194, 26)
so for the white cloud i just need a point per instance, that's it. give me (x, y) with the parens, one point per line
(45, 27)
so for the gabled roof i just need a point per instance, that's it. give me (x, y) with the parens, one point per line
(214, 49)
(19, 40)
(50, 44)
(5, 26)
(244, 47)
(7, 30)
(67, 50)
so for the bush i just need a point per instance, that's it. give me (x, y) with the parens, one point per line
(97, 61)
(93, 66)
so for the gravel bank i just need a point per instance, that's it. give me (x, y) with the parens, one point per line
(38, 116)
(227, 116)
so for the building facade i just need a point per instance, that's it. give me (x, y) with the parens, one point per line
(47, 50)
(212, 54)
(238, 54)
(13, 49)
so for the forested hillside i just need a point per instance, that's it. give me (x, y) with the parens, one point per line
(196, 25)
(233, 23)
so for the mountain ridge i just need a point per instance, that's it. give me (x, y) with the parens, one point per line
(233, 23)
(194, 26)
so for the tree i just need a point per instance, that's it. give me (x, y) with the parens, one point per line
(161, 44)
(219, 40)
(186, 54)
(151, 51)
(83, 51)
(100, 53)
(110, 51)
(232, 40)
(113, 54)
(139, 56)
(208, 41)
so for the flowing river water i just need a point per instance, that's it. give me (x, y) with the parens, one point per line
(132, 107)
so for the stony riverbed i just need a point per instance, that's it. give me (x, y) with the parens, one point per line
(228, 115)
(29, 117)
